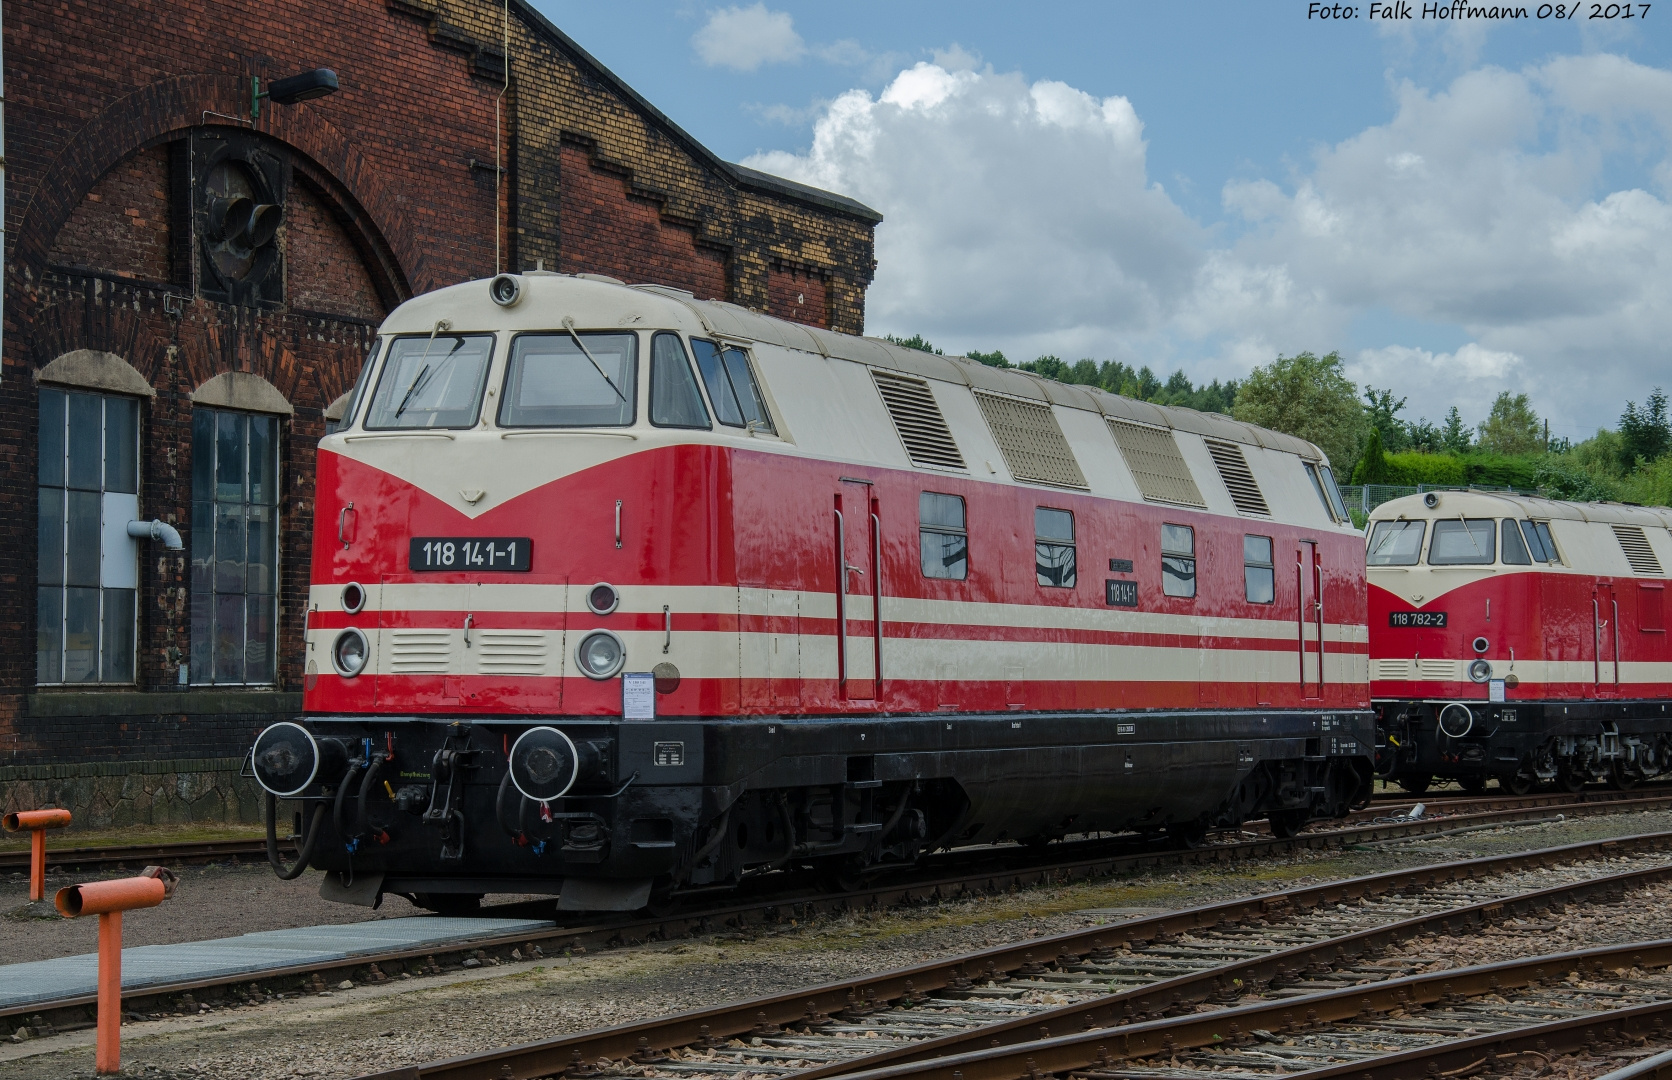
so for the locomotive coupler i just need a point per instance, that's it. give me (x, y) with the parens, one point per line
(447, 779)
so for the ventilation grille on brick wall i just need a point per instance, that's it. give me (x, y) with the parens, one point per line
(1153, 456)
(1239, 479)
(1032, 443)
(918, 420)
(1638, 552)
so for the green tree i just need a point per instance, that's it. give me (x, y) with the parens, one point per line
(1307, 396)
(1383, 413)
(1372, 468)
(914, 342)
(1049, 366)
(1645, 434)
(1455, 436)
(991, 359)
(1425, 438)
(1511, 427)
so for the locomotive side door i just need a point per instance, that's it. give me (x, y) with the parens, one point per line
(1605, 640)
(1309, 619)
(858, 589)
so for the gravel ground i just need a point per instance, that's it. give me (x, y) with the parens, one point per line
(377, 1027)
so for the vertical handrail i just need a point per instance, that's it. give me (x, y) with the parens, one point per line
(876, 595)
(1300, 615)
(1318, 608)
(841, 607)
(667, 628)
(1596, 642)
(1616, 604)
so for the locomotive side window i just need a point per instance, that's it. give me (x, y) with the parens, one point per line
(1515, 549)
(1539, 541)
(1258, 574)
(1323, 482)
(1395, 543)
(357, 396)
(1463, 543)
(431, 382)
(570, 380)
(1178, 560)
(1651, 609)
(675, 400)
(943, 536)
(1053, 547)
(737, 397)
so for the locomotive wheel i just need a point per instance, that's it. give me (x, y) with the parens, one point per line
(1621, 780)
(1519, 784)
(458, 905)
(1288, 823)
(1416, 785)
(1472, 785)
(1571, 781)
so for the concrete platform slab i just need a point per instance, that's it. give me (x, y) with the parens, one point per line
(43, 981)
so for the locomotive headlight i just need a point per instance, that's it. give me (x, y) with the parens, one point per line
(287, 758)
(543, 763)
(1480, 670)
(505, 290)
(353, 597)
(601, 654)
(349, 653)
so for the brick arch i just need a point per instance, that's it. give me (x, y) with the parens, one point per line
(364, 204)
(69, 321)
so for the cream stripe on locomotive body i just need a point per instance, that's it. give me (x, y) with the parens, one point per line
(817, 693)
(1519, 638)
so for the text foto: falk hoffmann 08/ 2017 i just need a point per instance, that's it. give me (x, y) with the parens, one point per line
(1463, 10)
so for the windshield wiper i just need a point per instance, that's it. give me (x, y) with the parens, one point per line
(569, 325)
(423, 372)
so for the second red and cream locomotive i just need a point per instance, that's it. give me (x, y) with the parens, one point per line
(617, 592)
(1520, 639)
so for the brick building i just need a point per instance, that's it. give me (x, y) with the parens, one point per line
(192, 278)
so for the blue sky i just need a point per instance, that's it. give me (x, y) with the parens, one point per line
(1457, 208)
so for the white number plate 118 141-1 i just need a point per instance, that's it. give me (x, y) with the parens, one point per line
(503, 553)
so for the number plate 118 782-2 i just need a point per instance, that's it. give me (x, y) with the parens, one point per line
(1435, 619)
(502, 553)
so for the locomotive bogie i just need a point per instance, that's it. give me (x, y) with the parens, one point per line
(1519, 639)
(431, 809)
(736, 595)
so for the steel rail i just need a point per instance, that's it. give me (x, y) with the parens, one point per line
(740, 912)
(548, 1057)
(1100, 1049)
(190, 851)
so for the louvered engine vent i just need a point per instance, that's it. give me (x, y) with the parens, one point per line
(1031, 441)
(1637, 550)
(918, 421)
(1153, 456)
(1239, 479)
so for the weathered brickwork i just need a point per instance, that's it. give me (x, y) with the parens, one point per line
(118, 115)
(122, 223)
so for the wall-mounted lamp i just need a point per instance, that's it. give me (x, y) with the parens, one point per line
(288, 91)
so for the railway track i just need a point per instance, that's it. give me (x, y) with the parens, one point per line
(947, 876)
(1003, 1003)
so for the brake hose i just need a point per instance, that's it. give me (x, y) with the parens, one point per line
(304, 854)
(365, 789)
(342, 790)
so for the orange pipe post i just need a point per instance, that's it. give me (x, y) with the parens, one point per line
(37, 822)
(107, 900)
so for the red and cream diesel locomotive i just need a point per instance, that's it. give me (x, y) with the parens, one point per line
(617, 592)
(1519, 638)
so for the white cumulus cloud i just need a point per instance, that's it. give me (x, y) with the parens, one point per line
(744, 38)
(1490, 210)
